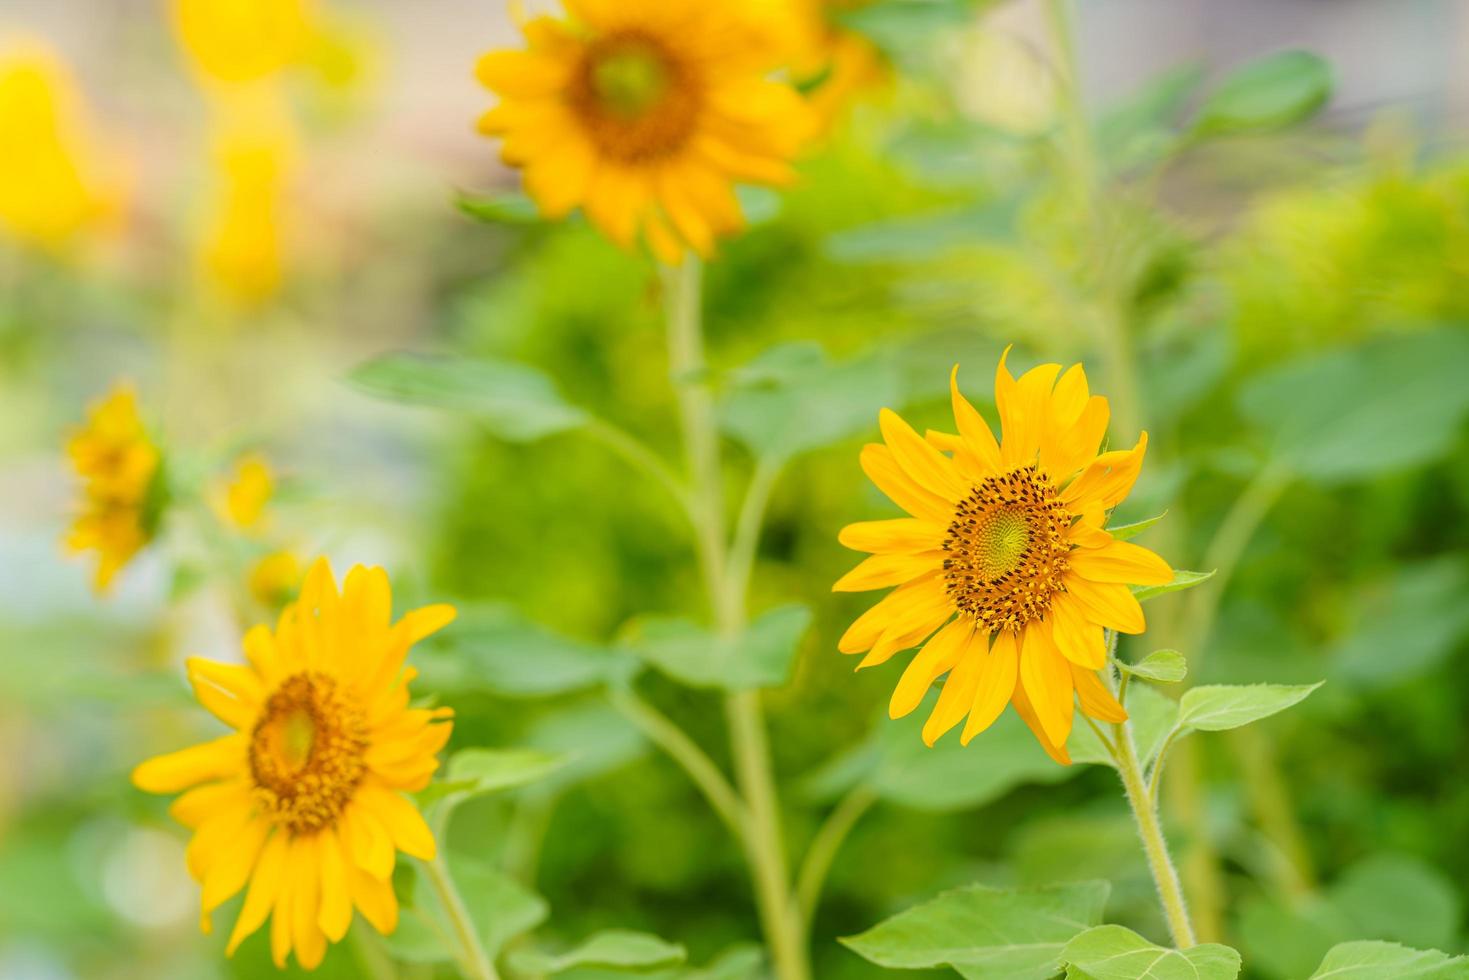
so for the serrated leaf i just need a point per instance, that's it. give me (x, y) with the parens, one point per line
(1366, 960)
(986, 933)
(1181, 580)
(475, 772)
(616, 949)
(1220, 707)
(515, 401)
(758, 657)
(1163, 666)
(1152, 715)
(1114, 953)
(1122, 532)
(1268, 93)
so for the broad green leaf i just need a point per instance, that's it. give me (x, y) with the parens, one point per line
(1181, 580)
(493, 648)
(1164, 666)
(1352, 413)
(612, 948)
(759, 657)
(1142, 128)
(1407, 624)
(475, 772)
(1220, 707)
(791, 400)
(1366, 960)
(592, 738)
(1114, 953)
(1268, 93)
(515, 401)
(1152, 715)
(986, 933)
(418, 938)
(1124, 531)
(501, 908)
(502, 209)
(1401, 898)
(1286, 940)
(899, 768)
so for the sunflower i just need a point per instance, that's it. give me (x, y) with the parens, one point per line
(645, 113)
(1005, 573)
(303, 802)
(122, 485)
(240, 501)
(235, 41)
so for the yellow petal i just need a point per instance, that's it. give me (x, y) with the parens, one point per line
(972, 427)
(336, 895)
(938, 655)
(180, 770)
(367, 842)
(374, 898)
(306, 936)
(883, 470)
(1107, 604)
(1047, 681)
(230, 873)
(1095, 699)
(928, 467)
(996, 685)
(1026, 711)
(1108, 479)
(957, 696)
(265, 884)
(1122, 562)
(886, 571)
(1079, 641)
(405, 825)
(903, 535)
(920, 593)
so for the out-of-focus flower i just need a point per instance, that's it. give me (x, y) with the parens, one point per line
(122, 486)
(1004, 571)
(832, 65)
(645, 114)
(274, 578)
(243, 40)
(1005, 83)
(241, 252)
(55, 181)
(241, 499)
(302, 805)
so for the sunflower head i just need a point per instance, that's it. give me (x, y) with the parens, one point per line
(1005, 574)
(242, 40)
(644, 113)
(240, 500)
(301, 806)
(123, 491)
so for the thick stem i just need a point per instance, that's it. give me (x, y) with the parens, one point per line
(472, 958)
(780, 919)
(1155, 845)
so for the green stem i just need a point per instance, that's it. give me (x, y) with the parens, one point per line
(640, 457)
(371, 956)
(825, 845)
(780, 919)
(472, 958)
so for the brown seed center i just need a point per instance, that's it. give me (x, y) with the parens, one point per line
(307, 752)
(637, 99)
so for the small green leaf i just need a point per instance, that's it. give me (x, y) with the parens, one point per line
(502, 209)
(618, 949)
(591, 737)
(1364, 960)
(515, 401)
(1153, 715)
(758, 657)
(1181, 580)
(475, 772)
(1124, 531)
(495, 649)
(1269, 93)
(986, 933)
(1163, 666)
(1220, 707)
(1114, 953)
(501, 908)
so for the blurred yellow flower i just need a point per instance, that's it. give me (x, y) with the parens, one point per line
(241, 250)
(243, 40)
(275, 578)
(122, 488)
(302, 805)
(1004, 567)
(54, 181)
(240, 500)
(833, 66)
(644, 113)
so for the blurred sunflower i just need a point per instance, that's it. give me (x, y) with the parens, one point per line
(303, 802)
(833, 65)
(1005, 568)
(243, 40)
(242, 246)
(240, 500)
(122, 485)
(645, 113)
(274, 578)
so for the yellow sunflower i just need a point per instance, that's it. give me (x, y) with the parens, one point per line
(240, 500)
(236, 41)
(1005, 573)
(302, 805)
(122, 487)
(644, 113)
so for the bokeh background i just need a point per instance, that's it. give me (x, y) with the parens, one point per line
(1284, 307)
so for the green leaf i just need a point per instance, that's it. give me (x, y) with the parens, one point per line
(592, 738)
(495, 649)
(1141, 128)
(1220, 707)
(1181, 580)
(475, 772)
(1364, 960)
(611, 948)
(1392, 896)
(1269, 93)
(1408, 623)
(1153, 715)
(1115, 953)
(1163, 666)
(1353, 413)
(986, 933)
(791, 400)
(502, 209)
(1124, 531)
(515, 401)
(501, 908)
(759, 657)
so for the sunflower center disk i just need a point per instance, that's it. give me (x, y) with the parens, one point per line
(1006, 550)
(307, 752)
(637, 100)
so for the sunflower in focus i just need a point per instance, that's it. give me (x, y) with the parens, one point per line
(302, 805)
(645, 113)
(122, 485)
(1006, 575)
